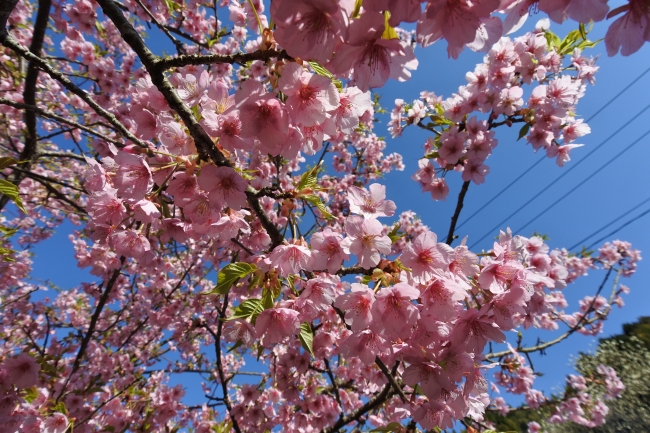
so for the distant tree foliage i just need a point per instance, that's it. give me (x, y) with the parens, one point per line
(627, 353)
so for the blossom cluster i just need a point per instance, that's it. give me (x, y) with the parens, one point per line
(464, 123)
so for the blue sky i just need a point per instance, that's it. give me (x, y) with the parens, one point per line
(620, 185)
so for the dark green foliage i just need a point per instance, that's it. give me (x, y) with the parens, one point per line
(627, 353)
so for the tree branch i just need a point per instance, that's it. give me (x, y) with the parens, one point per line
(454, 218)
(59, 119)
(213, 59)
(28, 154)
(581, 324)
(204, 144)
(9, 41)
(91, 328)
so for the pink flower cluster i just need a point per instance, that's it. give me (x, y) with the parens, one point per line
(496, 88)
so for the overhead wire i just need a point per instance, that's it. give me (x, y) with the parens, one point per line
(557, 179)
(497, 195)
(613, 232)
(621, 216)
(595, 172)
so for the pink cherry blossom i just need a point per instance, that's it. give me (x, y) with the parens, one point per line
(309, 95)
(56, 423)
(327, 252)
(352, 105)
(371, 58)
(290, 258)
(275, 324)
(236, 330)
(365, 240)
(366, 345)
(630, 31)
(133, 179)
(22, 371)
(393, 310)
(129, 243)
(191, 88)
(357, 306)
(310, 29)
(224, 185)
(370, 204)
(424, 255)
(263, 116)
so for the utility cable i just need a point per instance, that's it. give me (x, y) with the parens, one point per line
(619, 228)
(557, 179)
(624, 214)
(584, 181)
(544, 157)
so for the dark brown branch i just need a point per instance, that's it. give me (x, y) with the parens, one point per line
(352, 270)
(9, 41)
(57, 193)
(217, 349)
(391, 379)
(356, 415)
(205, 146)
(335, 387)
(179, 46)
(61, 155)
(28, 154)
(91, 327)
(104, 403)
(37, 176)
(581, 324)
(213, 59)
(6, 7)
(187, 36)
(454, 218)
(59, 119)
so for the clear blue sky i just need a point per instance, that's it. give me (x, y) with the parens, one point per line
(618, 187)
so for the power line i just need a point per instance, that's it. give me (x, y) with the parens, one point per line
(624, 214)
(619, 228)
(595, 172)
(577, 164)
(544, 157)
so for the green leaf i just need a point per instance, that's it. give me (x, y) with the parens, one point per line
(552, 39)
(307, 338)
(8, 231)
(30, 394)
(314, 200)
(357, 9)
(60, 407)
(235, 346)
(389, 32)
(248, 308)
(523, 131)
(7, 161)
(268, 299)
(6, 253)
(582, 30)
(320, 69)
(391, 427)
(309, 178)
(100, 27)
(394, 234)
(230, 274)
(10, 190)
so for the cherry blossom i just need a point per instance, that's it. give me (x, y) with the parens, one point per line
(365, 240)
(372, 203)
